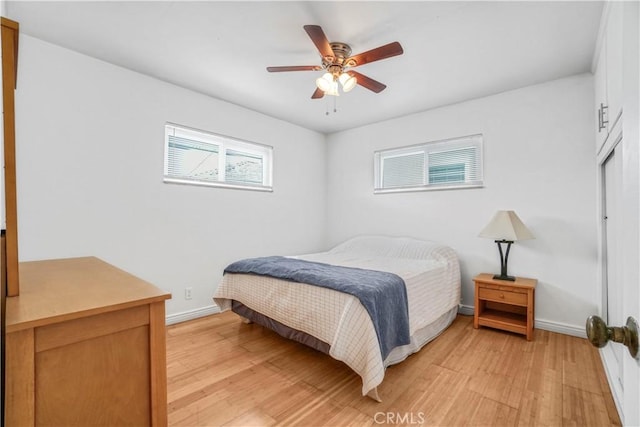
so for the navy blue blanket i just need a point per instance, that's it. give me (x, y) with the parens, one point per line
(383, 294)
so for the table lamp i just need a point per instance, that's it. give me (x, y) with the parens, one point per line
(505, 227)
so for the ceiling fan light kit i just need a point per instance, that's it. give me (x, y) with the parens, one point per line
(325, 82)
(348, 82)
(328, 83)
(333, 89)
(336, 58)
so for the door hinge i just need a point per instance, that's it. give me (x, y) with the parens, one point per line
(602, 122)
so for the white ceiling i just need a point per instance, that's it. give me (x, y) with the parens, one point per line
(453, 51)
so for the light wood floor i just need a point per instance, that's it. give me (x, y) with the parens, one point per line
(224, 372)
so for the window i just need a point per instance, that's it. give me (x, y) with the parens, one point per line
(202, 158)
(452, 163)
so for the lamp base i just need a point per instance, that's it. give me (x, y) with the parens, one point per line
(504, 277)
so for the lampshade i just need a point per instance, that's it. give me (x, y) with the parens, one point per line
(348, 82)
(505, 225)
(333, 89)
(325, 82)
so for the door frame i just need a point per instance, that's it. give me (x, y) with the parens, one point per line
(606, 353)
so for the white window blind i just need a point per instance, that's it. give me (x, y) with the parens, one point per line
(447, 164)
(203, 158)
(244, 167)
(192, 159)
(404, 170)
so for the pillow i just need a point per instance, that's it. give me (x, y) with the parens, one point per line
(395, 247)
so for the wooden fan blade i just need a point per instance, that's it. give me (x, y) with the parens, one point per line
(294, 68)
(317, 94)
(320, 40)
(368, 82)
(382, 52)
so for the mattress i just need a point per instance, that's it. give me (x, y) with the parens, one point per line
(432, 277)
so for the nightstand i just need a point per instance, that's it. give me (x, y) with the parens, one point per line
(505, 305)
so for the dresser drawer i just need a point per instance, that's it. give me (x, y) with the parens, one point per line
(503, 296)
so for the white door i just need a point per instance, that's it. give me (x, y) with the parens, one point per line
(621, 270)
(630, 258)
(623, 371)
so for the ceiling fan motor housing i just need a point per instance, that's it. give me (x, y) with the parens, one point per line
(341, 52)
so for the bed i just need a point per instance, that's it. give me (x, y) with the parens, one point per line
(338, 323)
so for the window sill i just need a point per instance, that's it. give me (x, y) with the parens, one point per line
(426, 188)
(219, 185)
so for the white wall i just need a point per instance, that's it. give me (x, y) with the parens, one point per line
(90, 182)
(90, 167)
(539, 159)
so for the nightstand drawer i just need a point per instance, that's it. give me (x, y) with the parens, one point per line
(503, 296)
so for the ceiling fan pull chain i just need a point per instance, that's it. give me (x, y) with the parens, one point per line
(335, 102)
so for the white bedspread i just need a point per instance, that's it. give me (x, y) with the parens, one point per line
(430, 271)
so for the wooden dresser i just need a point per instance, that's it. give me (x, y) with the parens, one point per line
(85, 345)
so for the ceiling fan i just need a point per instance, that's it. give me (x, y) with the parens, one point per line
(337, 59)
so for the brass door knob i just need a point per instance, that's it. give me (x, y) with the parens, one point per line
(599, 334)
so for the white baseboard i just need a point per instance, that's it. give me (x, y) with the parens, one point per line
(561, 328)
(192, 314)
(547, 325)
(467, 310)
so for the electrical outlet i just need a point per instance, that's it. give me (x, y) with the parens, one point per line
(187, 293)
